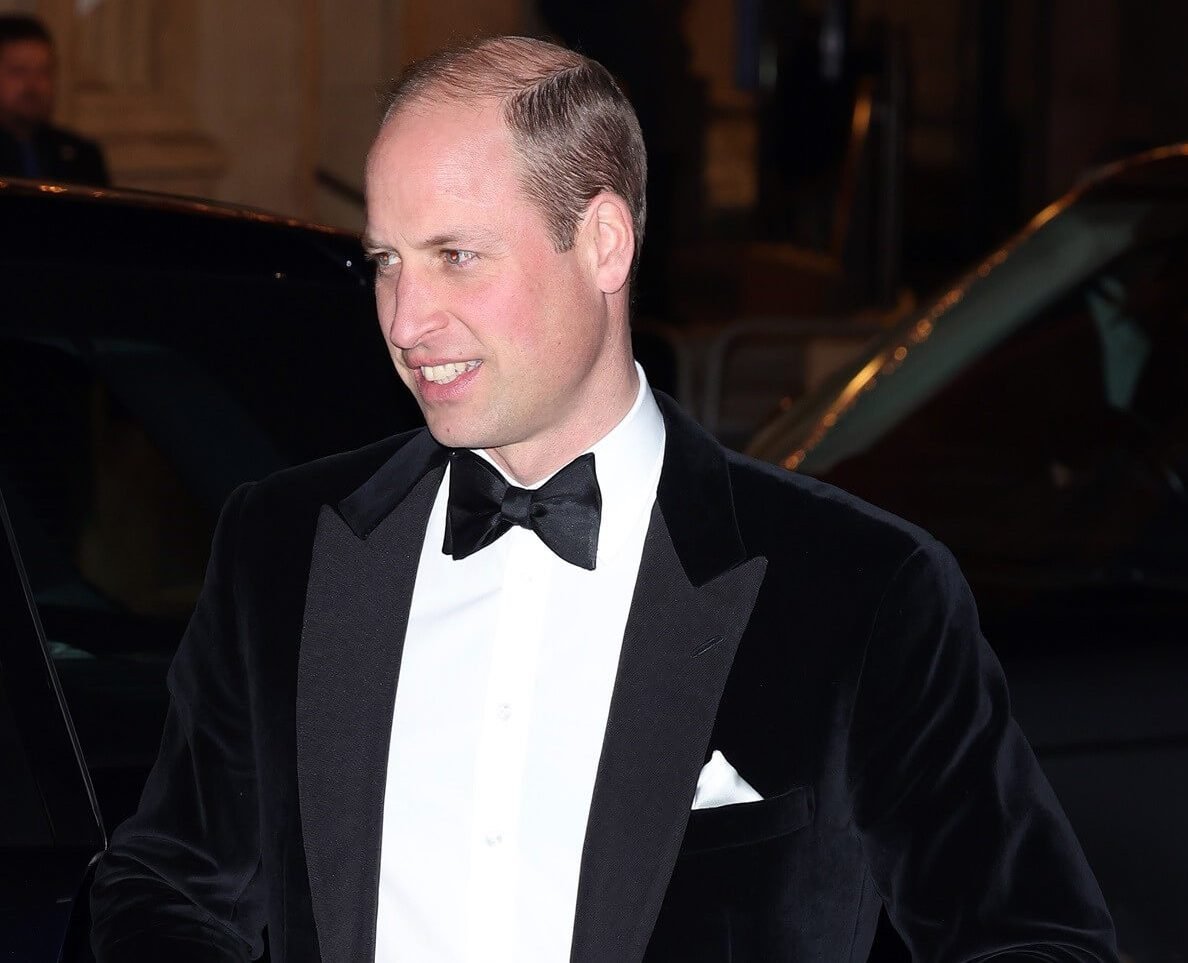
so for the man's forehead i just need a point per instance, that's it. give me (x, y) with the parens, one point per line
(432, 181)
(469, 126)
(26, 49)
(463, 153)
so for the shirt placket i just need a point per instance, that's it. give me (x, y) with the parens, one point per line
(500, 761)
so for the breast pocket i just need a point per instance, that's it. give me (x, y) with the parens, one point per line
(745, 824)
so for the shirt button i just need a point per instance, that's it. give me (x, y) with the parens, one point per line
(503, 711)
(494, 839)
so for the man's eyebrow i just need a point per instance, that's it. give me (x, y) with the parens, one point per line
(454, 237)
(458, 236)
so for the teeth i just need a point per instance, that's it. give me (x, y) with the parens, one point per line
(443, 374)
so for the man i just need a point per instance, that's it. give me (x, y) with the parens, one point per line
(30, 146)
(560, 678)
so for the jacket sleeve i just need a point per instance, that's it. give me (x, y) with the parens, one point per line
(180, 879)
(966, 842)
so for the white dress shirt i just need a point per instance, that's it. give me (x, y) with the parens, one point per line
(501, 707)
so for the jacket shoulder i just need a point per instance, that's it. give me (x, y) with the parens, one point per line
(780, 511)
(287, 503)
(331, 478)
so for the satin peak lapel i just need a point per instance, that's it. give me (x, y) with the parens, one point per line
(360, 587)
(693, 599)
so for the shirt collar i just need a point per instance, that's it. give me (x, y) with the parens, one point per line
(627, 461)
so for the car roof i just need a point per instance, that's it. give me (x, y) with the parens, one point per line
(173, 203)
(49, 226)
(1137, 199)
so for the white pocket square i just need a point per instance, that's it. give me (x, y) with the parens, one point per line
(720, 785)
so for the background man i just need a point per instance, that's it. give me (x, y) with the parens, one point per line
(30, 146)
(560, 678)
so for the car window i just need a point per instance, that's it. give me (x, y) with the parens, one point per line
(184, 355)
(49, 821)
(116, 456)
(1058, 458)
(45, 799)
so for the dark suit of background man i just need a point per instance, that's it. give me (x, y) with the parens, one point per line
(560, 678)
(30, 146)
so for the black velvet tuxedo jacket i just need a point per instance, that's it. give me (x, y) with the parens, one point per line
(829, 650)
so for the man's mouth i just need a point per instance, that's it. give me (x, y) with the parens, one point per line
(443, 374)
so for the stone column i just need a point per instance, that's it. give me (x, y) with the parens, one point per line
(126, 77)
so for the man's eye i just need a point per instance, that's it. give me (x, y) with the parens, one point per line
(456, 258)
(383, 259)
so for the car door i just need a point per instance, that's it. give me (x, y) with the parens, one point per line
(50, 829)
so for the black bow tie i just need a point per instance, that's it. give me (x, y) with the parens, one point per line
(564, 512)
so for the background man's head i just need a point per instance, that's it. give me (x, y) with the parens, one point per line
(576, 131)
(26, 74)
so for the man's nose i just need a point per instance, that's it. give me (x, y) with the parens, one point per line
(414, 311)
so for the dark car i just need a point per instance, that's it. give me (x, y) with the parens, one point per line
(154, 353)
(1035, 418)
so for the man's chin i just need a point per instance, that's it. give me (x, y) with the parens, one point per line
(455, 436)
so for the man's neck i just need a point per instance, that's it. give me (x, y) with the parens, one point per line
(528, 465)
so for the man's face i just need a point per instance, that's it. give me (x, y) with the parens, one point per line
(26, 84)
(505, 343)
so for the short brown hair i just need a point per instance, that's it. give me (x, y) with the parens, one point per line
(573, 126)
(15, 27)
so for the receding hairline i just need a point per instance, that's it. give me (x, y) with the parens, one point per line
(424, 104)
(430, 109)
(499, 69)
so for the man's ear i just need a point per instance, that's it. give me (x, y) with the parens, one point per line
(612, 241)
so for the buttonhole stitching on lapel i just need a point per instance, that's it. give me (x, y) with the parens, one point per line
(707, 645)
